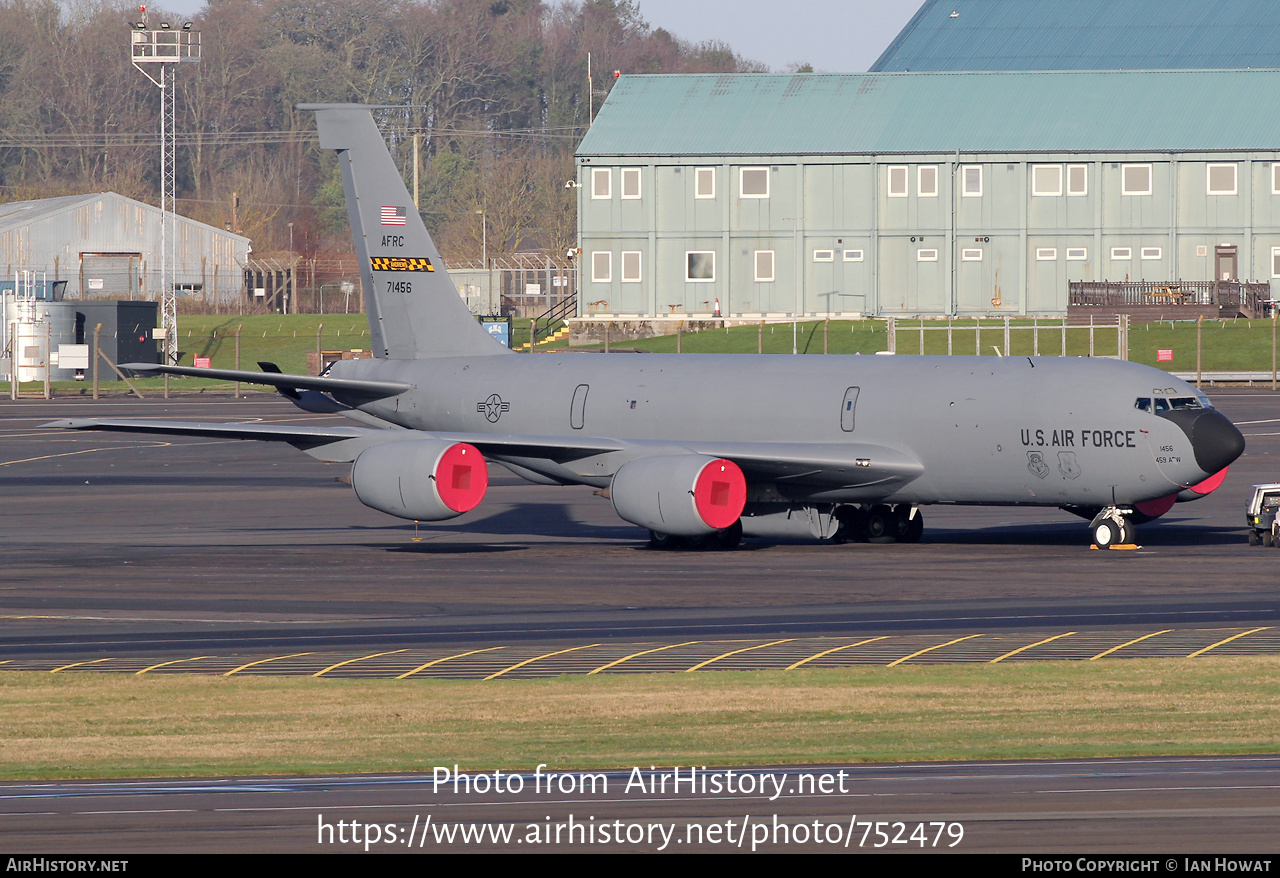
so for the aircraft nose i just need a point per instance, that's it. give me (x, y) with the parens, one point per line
(1215, 440)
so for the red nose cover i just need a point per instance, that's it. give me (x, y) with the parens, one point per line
(720, 493)
(1209, 485)
(1156, 508)
(461, 477)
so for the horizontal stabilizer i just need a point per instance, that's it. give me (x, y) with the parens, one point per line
(344, 386)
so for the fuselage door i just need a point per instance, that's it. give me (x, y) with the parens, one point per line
(578, 410)
(847, 407)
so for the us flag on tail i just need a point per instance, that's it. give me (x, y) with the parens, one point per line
(393, 216)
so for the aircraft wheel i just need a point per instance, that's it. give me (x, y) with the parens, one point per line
(1254, 539)
(853, 525)
(730, 537)
(1106, 534)
(697, 543)
(1275, 539)
(1267, 539)
(1128, 533)
(661, 541)
(913, 529)
(881, 524)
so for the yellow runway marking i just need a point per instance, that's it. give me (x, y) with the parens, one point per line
(447, 658)
(735, 652)
(263, 662)
(539, 658)
(352, 661)
(837, 649)
(78, 664)
(83, 451)
(174, 662)
(628, 658)
(930, 649)
(1228, 640)
(1030, 646)
(1130, 643)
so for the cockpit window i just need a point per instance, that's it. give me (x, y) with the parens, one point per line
(1183, 403)
(1143, 403)
(1162, 405)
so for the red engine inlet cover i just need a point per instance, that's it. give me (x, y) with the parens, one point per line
(720, 493)
(461, 477)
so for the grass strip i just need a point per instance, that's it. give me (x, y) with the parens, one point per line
(75, 725)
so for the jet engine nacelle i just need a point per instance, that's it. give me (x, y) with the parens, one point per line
(422, 480)
(681, 495)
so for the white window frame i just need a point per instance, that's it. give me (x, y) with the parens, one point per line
(1235, 178)
(630, 279)
(597, 276)
(921, 172)
(971, 254)
(634, 175)
(1121, 254)
(742, 176)
(1275, 178)
(1046, 254)
(1036, 191)
(699, 280)
(760, 275)
(1124, 180)
(965, 191)
(1275, 261)
(700, 174)
(929, 255)
(824, 256)
(1150, 253)
(1077, 254)
(853, 255)
(895, 170)
(1083, 190)
(598, 174)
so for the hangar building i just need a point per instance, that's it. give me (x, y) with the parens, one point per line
(107, 245)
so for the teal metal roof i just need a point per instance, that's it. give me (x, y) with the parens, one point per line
(861, 113)
(1086, 35)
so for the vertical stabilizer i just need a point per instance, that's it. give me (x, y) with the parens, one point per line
(414, 309)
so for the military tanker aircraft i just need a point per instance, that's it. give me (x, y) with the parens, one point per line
(702, 450)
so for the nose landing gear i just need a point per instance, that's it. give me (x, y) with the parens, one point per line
(1111, 527)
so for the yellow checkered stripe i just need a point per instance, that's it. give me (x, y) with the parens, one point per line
(401, 263)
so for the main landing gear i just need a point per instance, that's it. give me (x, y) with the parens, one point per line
(881, 523)
(1112, 527)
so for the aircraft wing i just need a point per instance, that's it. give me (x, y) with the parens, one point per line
(807, 469)
(344, 386)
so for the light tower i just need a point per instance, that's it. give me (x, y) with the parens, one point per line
(156, 51)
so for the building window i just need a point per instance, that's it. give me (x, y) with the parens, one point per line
(927, 181)
(898, 181)
(971, 255)
(1046, 254)
(1077, 179)
(971, 181)
(1150, 252)
(630, 182)
(631, 266)
(1220, 179)
(1135, 179)
(824, 255)
(601, 183)
(853, 256)
(601, 267)
(926, 256)
(705, 183)
(1121, 253)
(1275, 178)
(1275, 261)
(764, 266)
(700, 265)
(753, 182)
(1046, 179)
(1077, 254)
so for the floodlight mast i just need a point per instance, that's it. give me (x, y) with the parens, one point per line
(159, 49)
